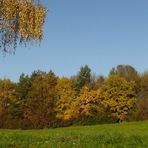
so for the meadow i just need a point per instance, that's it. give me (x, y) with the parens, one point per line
(123, 135)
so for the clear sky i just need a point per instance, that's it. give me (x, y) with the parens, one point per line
(100, 33)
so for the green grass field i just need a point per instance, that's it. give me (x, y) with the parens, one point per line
(129, 135)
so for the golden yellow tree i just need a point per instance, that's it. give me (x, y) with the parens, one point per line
(88, 101)
(87, 104)
(21, 21)
(119, 96)
(66, 95)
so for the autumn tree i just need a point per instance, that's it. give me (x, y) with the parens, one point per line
(6, 91)
(140, 111)
(66, 95)
(41, 100)
(87, 108)
(125, 71)
(119, 96)
(21, 21)
(143, 93)
(99, 81)
(87, 102)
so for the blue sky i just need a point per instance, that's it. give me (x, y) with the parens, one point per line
(100, 33)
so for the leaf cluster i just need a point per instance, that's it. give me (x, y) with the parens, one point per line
(21, 21)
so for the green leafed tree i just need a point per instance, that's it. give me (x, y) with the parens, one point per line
(18, 103)
(83, 78)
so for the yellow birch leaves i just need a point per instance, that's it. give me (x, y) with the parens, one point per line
(21, 21)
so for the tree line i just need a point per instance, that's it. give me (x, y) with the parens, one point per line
(44, 100)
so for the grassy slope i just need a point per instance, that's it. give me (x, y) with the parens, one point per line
(130, 135)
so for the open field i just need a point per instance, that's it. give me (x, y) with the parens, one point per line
(130, 135)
